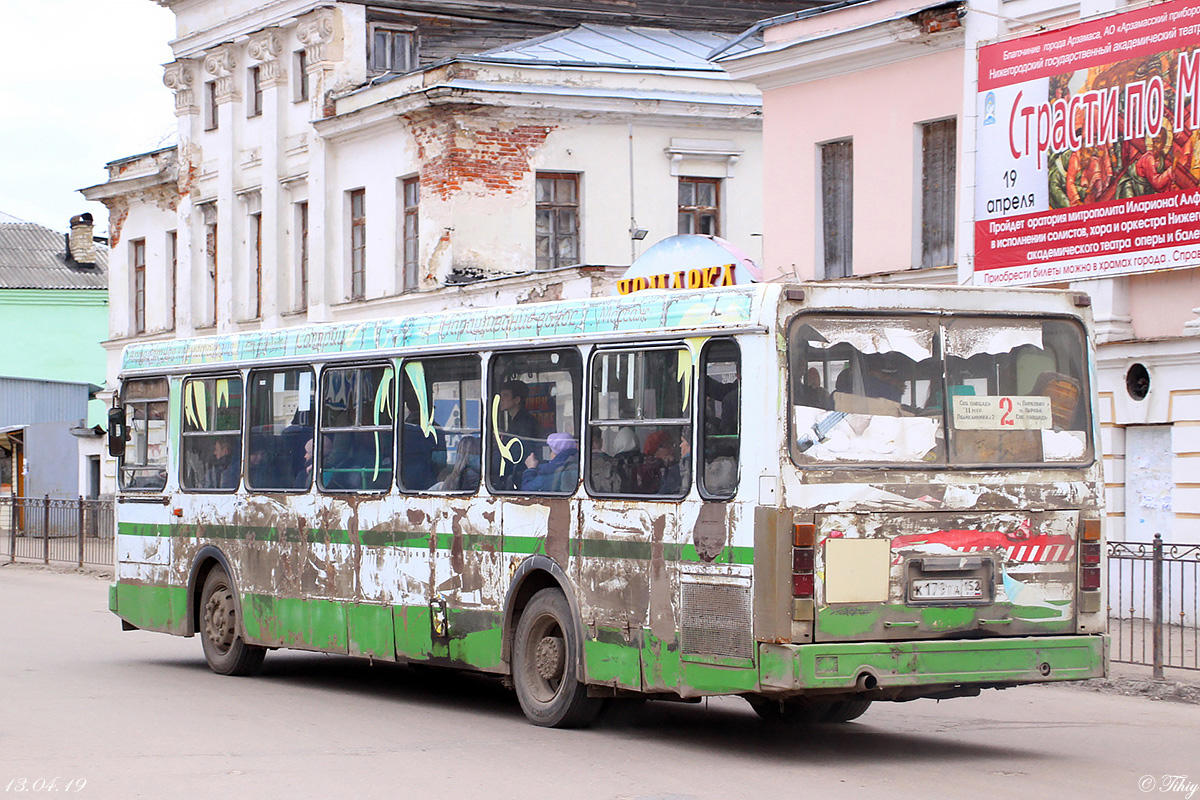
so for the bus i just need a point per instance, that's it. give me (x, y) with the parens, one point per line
(813, 496)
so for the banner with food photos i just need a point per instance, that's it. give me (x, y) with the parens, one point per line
(1088, 149)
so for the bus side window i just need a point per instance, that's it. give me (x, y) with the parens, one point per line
(534, 403)
(720, 449)
(211, 451)
(279, 447)
(439, 442)
(144, 465)
(357, 438)
(639, 427)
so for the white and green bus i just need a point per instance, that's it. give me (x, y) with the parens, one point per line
(814, 496)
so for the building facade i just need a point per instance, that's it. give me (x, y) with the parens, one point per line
(53, 319)
(882, 186)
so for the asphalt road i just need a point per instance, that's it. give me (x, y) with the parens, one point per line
(139, 715)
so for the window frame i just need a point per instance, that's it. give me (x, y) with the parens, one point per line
(300, 87)
(256, 264)
(254, 89)
(300, 290)
(138, 257)
(700, 475)
(402, 378)
(249, 433)
(131, 405)
(357, 241)
(410, 239)
(938, 186)
(696, 212)
(322, 428)
(686, 425)
(382, 64)
(553, 235)
(212, 109)
(835, 203)
(185, 435)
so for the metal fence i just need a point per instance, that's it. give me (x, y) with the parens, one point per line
(1154, 604)
(78, 531)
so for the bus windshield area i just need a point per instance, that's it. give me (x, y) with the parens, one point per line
(936, 390)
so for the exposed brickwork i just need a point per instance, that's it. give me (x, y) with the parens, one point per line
(458, 149)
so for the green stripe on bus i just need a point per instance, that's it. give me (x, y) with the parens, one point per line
(520, 545)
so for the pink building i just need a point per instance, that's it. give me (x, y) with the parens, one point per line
(876, 137)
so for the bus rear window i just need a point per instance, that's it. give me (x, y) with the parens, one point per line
(873, 390)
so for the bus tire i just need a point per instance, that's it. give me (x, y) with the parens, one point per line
(846, 710)
(220, 630)
(546, 665)
(799, 711)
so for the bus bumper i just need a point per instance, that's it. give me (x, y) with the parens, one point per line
(939, 662)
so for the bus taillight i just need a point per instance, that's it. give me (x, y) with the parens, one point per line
(804, 540)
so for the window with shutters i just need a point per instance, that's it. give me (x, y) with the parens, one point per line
(837, 208)
(938, 177)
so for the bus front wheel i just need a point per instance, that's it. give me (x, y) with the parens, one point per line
(224, 649)
(546, 667)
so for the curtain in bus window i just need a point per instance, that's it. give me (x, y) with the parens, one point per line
(1018, 391)
(640, 426)
(865, 389)
(534, 402)
(144, 465)
(721, 429)
(279, 448)
(354, 453)
(211, 452)
(440, 437)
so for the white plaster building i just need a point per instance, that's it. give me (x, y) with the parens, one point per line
(888, 73)
(341, 160)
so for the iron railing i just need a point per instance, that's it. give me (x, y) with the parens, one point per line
(1153, 604)
(49, 529)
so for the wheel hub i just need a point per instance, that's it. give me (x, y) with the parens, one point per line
(549, 657)
(219, 614)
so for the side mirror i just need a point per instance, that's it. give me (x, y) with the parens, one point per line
(118, 432)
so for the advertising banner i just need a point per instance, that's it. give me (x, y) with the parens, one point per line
(1088, 159)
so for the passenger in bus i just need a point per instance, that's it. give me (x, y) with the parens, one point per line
(678, 475)
(660, 456)
(464, 475)
(628, 457)
(560, 473)
(304, 477)
(516, 421)
(223, 469)
(259, 472)
(417, 469)
(604, 474)
(811, 392)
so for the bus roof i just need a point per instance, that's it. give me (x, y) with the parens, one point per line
(665, 312)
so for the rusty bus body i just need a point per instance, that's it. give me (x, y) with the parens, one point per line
(837, 532)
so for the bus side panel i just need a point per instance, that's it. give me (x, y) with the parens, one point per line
(147, 595)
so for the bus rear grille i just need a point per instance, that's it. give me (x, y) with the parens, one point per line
(716, 620)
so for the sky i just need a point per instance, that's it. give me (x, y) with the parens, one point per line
(80, 86)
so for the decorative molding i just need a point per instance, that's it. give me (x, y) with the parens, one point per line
(315, 31)
(179, 77)
(709, 151)
(220, 62)
(265, 48)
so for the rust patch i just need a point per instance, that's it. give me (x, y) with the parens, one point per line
(558, 530)
(711, 531)
(456, 542)
(662, 611)
(416, 517)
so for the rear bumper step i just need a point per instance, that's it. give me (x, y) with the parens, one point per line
(884, 665)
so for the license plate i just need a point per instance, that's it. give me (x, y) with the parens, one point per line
(948, 589)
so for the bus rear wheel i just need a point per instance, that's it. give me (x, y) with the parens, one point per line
(224, 649)
(846, 710)
(798, 711)
(546, 667)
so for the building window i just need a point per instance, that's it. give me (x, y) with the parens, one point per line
(211, 111)
(837, 208)
(256, 264)
(411, 195)
(254, 88)
(139, 285)
(393, 49)
(700, 206)
(938, 178)
(557, 226)
(301, 288)
(209, 212)
(173, 275)
(300, 76)
(358, 244)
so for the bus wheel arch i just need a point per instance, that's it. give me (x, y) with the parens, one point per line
(203, 563)
(535, 573)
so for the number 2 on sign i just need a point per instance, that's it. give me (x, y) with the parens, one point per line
(1006, 405)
